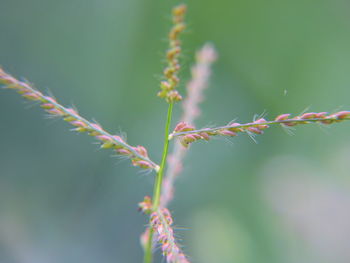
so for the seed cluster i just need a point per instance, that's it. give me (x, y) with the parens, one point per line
(188, 134)
(161, 222)
(138, 154)
(171, 80)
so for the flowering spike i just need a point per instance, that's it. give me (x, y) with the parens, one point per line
(171, 80)
(161, 222)
(138, 155)
(188, 134)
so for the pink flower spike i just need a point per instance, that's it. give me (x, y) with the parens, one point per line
(80, 124)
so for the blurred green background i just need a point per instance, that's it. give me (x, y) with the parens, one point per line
(285, 199)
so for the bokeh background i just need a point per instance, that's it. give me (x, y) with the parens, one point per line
(284, 199)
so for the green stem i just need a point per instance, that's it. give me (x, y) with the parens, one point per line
(159, 178)
(148, 250)
(158, 183)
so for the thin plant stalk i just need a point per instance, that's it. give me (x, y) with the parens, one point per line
(158, 182)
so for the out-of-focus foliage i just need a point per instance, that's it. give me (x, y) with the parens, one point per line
(284, 199)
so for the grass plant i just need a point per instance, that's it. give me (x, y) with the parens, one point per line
(160, 232)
